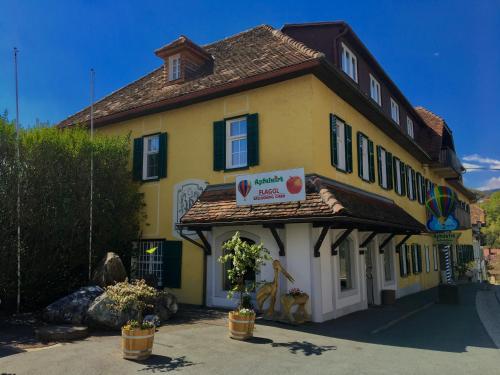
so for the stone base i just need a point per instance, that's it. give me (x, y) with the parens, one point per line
(61, 333)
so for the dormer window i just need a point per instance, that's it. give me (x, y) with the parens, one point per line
(174, 67)
(394, 111)
(349, 63)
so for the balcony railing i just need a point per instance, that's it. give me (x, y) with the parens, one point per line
(449, 160)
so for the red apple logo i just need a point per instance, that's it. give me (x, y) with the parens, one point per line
(294, 184)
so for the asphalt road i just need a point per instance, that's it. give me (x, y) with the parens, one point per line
(438, 339)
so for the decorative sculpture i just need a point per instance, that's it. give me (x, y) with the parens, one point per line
(269, 290)
(295, 297)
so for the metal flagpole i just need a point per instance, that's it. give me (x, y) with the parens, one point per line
(92, 77)
(18, 167)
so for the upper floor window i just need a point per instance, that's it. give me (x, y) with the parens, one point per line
(349, 63)
(346, 265)
(384, 159)
(411, 190)
(341, 144)
(394, 111)
(399, 172)
(375, 90)
(150, 157)
(236, 143)
(174, 67)
(366, 163)
(409, 127)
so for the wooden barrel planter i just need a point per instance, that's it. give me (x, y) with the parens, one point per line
(137, 343)
(241, 327)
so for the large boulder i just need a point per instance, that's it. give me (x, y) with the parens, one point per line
(109, 271)
(72, 309)
(165, 305)
(101, 315)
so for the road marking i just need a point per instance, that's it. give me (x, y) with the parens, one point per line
(405, 316)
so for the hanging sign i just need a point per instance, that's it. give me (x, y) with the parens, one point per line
(271, 187)
(446, 238)
(441, 202)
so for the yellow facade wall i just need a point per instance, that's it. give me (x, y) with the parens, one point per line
(293, 133)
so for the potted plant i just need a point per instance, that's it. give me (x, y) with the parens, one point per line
(242, 258)
(134, 298)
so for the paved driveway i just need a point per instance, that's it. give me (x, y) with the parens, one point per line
(436, 339)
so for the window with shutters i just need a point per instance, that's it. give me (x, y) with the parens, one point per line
(420, 188)
(409, 127)
(427, 259)
(384, 160)
(341, 144)
(236, 143)
(410, 183)
(416, 258)
(435, 257)
(346, 265)
(403, 261)
(349, 63)
(151, 155)
(366, 163)
(174, 67)
(394, 111)
(375, 90)
(399, 172)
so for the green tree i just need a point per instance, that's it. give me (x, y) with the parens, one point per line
(492, 229)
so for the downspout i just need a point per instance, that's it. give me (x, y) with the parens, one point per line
(335, 46)
(189, 239)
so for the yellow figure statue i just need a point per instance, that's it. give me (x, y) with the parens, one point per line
(270, 289)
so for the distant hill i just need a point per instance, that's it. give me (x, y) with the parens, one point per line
(483, 194)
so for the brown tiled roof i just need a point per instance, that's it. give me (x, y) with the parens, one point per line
(248, 54)
(431, 138)
(326, 200)
(477, 214)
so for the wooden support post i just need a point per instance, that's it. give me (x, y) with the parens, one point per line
(319, 241)
(206, 244)
(368, 239)
(277, 238)
(344, 235)
(403, 241)
(386, 241)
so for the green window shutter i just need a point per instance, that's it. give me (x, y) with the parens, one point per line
(408, 258)
(360, 155)
(395, 173)
(379, 164)
(414, 184)
(253, 139)
(138, 154)
(162, 165)
(172, 264)
(371, 161)
(390, 181)
(333, 140)
(403, 177)
(348, 147)
(419, 187)
(219, 145)
(408, 178)
(401, 261)
(419, 257)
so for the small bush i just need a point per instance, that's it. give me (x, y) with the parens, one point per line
(127, 296)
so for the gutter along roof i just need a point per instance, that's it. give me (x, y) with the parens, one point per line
(328, 203)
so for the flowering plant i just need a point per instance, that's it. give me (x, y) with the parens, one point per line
(134, 324)
(246, 312)
(295, 292)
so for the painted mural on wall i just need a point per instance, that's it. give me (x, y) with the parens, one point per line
(441, 203)
(184, 195)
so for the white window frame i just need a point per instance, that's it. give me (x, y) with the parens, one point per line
(399, 183)
(174, 67)
(427, 259)
(375, 91)
(341, 146)
(410, 172)
(145, 155)
(394, 111)
(409, 127)
(402, 250)
(435, 257)
(229, 145)
(414, 249)
(349, 63)
(383, 161)
(365, 162)
(352, 266)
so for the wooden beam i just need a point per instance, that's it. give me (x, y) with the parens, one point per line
(206, 244)
(370, 237)
(277, 238)
(403, 241)
(339, 240)
(385, 242)
(319, 241)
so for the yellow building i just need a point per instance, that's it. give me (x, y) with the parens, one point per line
(308, 96)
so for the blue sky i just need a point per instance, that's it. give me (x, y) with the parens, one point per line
(444, 55)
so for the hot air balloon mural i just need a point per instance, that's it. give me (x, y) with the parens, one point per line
(441, 202)
(244, 187)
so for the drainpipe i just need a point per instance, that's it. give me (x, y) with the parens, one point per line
(335, 46)
(189, 239)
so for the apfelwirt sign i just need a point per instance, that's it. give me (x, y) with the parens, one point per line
(271, 187)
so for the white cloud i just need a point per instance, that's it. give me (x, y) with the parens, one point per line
(493, 183)
(471, 167)
(484, 161)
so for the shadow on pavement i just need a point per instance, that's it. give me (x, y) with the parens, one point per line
(160, 363)
(448, 328)
(304, 347)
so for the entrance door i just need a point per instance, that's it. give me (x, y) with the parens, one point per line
(369, 276)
